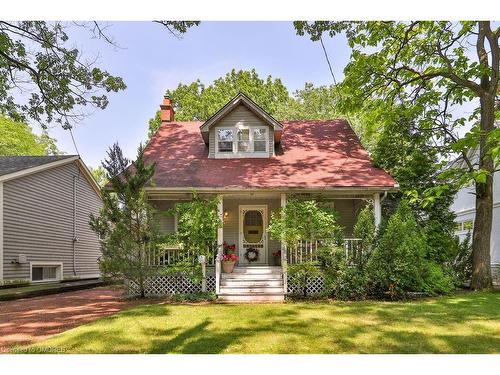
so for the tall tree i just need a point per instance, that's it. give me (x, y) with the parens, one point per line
(196, 102)
(428, 68)
(127, 224)
(18, 139)
(56, 80)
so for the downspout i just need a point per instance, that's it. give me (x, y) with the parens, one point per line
(75, 238)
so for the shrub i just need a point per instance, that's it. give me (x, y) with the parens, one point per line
(437, 280)
(396, 264)
(194, 297)
(349, 283)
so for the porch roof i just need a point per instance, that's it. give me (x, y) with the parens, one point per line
(311, 155)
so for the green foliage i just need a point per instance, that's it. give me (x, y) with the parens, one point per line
(396, 264)
(197, 224)
(99, 175)
(302, 220)
(349, 283)
(365, 229)
(437, 279)
(18, 139)
(462, 264)
(310, 103)
(301, 273)
(195, 101)
(189, 268)
(423, 72)
(195, 297)
(126, 223)
(63, 80)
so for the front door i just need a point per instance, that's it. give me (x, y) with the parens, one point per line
(253, 234)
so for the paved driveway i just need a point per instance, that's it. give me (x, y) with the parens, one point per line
(33, 319)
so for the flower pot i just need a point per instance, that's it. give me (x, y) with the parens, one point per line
(228, 266)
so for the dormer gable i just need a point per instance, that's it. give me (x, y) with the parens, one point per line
(241, 129)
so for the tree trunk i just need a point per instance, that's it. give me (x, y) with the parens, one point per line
(481, 238)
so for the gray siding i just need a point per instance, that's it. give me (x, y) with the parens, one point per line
(241, 115)
(38, 222)
(348, 210)
(166, 220)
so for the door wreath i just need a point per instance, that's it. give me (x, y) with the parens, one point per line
(251, 255)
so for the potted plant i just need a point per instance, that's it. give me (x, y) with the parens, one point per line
(277, 258)
(228, 262)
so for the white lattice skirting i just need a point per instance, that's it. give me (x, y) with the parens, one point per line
(172, 284)
(315, 286)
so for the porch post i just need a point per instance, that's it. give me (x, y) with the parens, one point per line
(220, 242)
(377, 209)
(284, 263)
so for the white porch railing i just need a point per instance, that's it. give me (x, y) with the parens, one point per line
(171, 255)
(308, 250)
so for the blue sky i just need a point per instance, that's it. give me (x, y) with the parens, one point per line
(150, 61)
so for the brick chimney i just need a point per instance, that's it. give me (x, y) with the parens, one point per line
(166, 110)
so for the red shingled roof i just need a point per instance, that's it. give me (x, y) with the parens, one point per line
(313, 154)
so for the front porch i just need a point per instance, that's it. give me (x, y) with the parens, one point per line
(245, 217)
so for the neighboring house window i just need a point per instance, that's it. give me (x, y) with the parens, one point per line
(46, 272)
(242, 140)
(464, 226)
(225, 140)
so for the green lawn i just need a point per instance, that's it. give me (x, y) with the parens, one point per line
(465, 323)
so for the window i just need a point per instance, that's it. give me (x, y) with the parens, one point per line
(224, 140)
(464, 226)
(260, 140)
(46, 272)
(242, 140)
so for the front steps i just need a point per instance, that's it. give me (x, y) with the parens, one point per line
(252, 284)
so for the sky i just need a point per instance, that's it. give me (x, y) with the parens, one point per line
(151, 60)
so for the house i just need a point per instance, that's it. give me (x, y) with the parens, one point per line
(45, 203)
(254, 163)
(464, 206)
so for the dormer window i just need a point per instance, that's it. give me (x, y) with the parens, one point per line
(241, 129)
(242, 141)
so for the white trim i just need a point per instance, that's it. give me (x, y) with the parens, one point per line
(1, 231)
(250, 104)
(265, 241)
(39, 168)
(236, 153)
(377, 210)
(48, 264)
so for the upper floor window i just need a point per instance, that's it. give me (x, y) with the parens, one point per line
(240, 141)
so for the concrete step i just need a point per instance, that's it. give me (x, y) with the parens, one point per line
(224, 298)
(252, 290)
(251, 282)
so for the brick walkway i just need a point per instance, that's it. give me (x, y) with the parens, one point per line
(33, 319)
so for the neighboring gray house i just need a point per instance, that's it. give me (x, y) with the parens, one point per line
(45, 203)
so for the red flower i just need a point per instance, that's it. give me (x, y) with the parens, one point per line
(229, 257)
